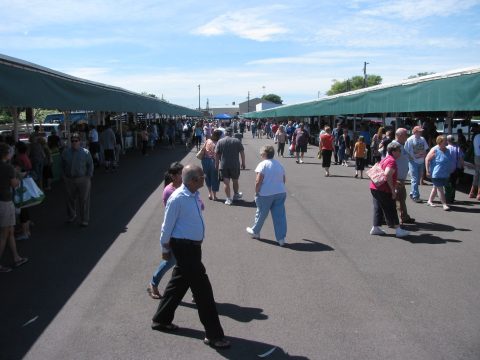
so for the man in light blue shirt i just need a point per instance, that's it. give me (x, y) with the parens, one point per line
(183, 230)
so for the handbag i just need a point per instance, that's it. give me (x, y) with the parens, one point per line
(27, 194)
(377, 175)
(201, 153)
(319, 155)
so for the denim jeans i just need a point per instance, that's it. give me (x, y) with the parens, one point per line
(211, 174)
(416, 172)
(163, 267)
(275, 204)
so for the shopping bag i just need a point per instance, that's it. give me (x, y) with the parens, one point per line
(292, 147)
(377, 175)
(27, 194)
(201, 153)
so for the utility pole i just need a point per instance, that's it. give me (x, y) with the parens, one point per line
(199, 108)
(248, 102)
(365, 74)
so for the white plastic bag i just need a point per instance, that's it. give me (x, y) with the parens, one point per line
(27, 194)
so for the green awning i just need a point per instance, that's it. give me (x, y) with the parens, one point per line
(23, 84)
(446, 92)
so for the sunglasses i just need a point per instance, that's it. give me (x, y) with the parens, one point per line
(75, 140)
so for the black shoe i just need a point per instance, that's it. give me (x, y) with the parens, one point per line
(164, 327)
(409, 220)
(217, 343)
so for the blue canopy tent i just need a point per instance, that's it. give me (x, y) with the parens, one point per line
(222, 116)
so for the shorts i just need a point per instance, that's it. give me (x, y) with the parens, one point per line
(438, 182)
(109, 154)
(301, 148)
(229, 173)
(7, 214)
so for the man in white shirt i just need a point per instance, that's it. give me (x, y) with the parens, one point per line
(93, 144)
(416, 147)
(183, 231)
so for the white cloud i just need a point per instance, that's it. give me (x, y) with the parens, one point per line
(361, 32)
(43, 42)
(418, 9)
(251, 23)
(317, 58)
(90, 73)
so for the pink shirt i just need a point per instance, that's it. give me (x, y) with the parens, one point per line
(169, 189)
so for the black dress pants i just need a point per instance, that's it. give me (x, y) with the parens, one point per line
(190, 273)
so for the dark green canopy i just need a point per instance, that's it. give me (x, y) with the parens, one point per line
(446, 92)
(23, 84)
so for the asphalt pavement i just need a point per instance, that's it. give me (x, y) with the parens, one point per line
(333, 292)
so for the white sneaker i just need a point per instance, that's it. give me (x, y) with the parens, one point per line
(281, 242)
(237, 196)
(301, 161)
(254, 236)
(228, 201)
(377, 230)
(401, 233)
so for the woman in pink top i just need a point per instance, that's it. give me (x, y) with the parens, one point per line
(208, 165)
(173, 179)
(384, 195)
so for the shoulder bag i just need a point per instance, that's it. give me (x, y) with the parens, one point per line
(377, 174)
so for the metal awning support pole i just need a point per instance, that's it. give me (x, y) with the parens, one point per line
(66, 122)
(449, 119)
(135, 132)
(15, 123)
(121, 134)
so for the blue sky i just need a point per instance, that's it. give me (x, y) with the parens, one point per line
(291, 48)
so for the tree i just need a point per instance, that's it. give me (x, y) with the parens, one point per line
(273, 98)
(420, 74)
(144, 93)
(353, 83)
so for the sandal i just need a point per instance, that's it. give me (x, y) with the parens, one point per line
(20, 262)
(217, 343)
(153, 292)
(164, 327)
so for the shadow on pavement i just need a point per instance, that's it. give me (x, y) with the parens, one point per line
(235, 312)
(456, 208)
(428, 239)
(310, 246)
(241, 349)
(62, 256)
(242, 203)
(418, 226)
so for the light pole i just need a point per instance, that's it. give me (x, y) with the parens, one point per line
(199, 98)
(365, 74)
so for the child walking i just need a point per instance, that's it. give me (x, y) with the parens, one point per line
(360, 154)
